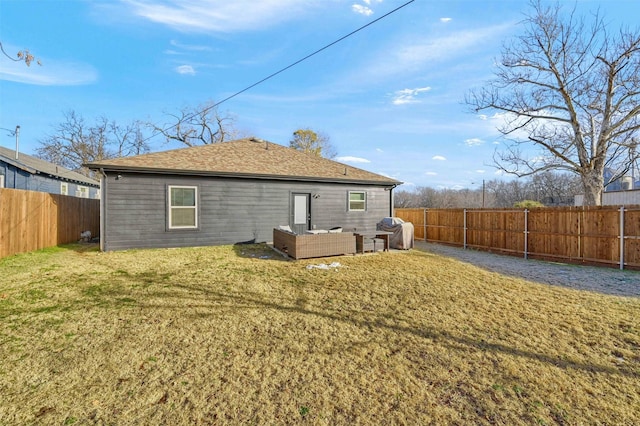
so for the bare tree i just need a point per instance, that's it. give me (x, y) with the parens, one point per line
(316, 143)
(571, 89)
(405, 199)
(22, 56)
(202, 125)
(552, 188)
(548, 188)
(75, 142)
(129, 140)
(507, 193)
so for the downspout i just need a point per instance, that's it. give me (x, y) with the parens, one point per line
(391, 201)
(103, 215)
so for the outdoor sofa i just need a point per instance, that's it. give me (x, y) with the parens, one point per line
(303, 246)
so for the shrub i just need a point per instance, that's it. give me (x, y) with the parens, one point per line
(528, 204)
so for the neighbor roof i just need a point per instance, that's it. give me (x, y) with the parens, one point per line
(35, 165)
(244, 158)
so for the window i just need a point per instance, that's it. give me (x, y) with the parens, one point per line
(183, 207)
(82, 192)
(64, 188)
(357, 201)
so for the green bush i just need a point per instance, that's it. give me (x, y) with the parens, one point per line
(528, 204)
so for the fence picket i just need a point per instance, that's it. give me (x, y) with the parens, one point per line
(608, 235)
(31, 220)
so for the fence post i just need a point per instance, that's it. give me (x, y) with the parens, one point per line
(464, 224)
(424, 219)
(526, 233)
(621, 237)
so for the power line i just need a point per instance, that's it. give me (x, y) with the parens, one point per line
(309, 55)
(205, 110)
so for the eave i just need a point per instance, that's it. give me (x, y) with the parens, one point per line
(204, 173)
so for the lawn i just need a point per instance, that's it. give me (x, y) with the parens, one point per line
(237, 335)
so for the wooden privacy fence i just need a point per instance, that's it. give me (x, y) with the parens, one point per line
(31, 220)
(608, 235)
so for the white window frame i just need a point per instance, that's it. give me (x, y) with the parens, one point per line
(349, 201)
(82, 191)
(64, 188)
(170, 208)
(1, 181)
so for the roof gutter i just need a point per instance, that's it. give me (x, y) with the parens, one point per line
(390, 184)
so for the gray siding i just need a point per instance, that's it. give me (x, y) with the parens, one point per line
(16, 178)
(615, 198)
(230, 210)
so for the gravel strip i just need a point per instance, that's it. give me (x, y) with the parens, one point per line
(599, 279)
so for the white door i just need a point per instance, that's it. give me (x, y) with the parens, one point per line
(300, 212)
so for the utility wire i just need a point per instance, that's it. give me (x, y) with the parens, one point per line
(309, 55)
(285, 68)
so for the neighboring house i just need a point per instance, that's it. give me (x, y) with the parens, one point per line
(615, 198)
(233, 192)
(22, 171)
(623, 183)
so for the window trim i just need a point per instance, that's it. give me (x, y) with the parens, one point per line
(64, 188)
(83, 191)
(1, 181)
(364, 208)
(170, 208)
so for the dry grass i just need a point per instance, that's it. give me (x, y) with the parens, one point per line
(223, 335)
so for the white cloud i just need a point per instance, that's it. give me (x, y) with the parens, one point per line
(362, 10)
(185, 69)
(511, 120)
(385, 174)
(480, 171)
(412, 55)
(190, 47)
(474, 142)
(431, 174)
(178, 48)
(218, 15)
(439, 158)
(379, 150)
(408, 96)
(349, 159)
(445, 20)
(51, 73)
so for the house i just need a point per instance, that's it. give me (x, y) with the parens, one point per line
(22, 171)
(615, 198)
(622, 183)
(233, 192)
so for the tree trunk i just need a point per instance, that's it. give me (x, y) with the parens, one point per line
(592, 184)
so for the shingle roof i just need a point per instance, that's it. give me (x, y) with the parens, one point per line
(244, 158)
(36, 165)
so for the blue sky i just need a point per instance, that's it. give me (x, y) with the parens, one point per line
(389, 97)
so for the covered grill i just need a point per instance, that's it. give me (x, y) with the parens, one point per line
(402, 237)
